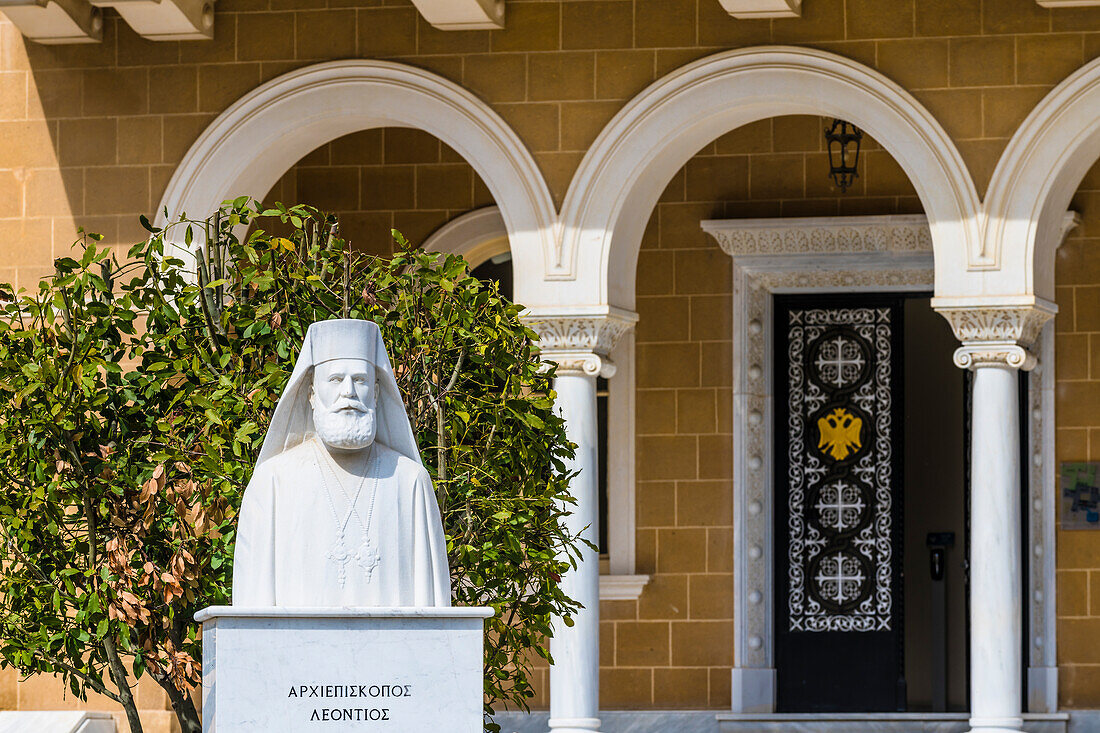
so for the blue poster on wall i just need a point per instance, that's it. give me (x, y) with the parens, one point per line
(1080, 496)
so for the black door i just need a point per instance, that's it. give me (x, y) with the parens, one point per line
(838, 503)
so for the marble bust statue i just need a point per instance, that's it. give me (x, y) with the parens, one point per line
(340, 510)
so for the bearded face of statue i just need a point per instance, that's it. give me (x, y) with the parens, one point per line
(345, 394)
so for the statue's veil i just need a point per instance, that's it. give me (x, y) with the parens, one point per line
(292, 422)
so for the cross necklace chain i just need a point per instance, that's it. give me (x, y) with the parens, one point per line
(366, 555)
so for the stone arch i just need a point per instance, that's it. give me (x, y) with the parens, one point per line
(622, 175)
(260, 136)
(476, 235)
(1034, 180)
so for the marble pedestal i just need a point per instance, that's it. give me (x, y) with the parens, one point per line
(292, 670)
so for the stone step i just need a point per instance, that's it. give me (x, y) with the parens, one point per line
(47, 721)
(717, 721)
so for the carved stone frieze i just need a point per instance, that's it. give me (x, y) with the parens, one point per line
(843, 279)
(581, 342)
(997, 336)
(594, 333)
(1010, 323)
(822, 236)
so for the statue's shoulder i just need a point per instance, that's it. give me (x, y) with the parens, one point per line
(284, 462)
(304, 452)
(405, 469)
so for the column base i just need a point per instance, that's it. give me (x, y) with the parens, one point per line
(574, 725)
(996, 725)
(1042, 689)
(752, 690)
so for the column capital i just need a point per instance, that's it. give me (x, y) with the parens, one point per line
(1008, 356)
(995, 334)
(579, 340)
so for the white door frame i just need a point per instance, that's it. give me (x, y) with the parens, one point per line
(846, 254)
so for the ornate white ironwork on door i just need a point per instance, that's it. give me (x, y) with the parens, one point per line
(840, 470)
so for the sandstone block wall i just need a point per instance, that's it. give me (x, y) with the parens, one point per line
(1077, 340)
(89, 136)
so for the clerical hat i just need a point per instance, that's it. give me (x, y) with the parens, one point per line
(292, 421)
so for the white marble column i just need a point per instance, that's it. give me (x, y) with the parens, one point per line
(579, 345)
(996, 615)
(995, 342)
(575, 675)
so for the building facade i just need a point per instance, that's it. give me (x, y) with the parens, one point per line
(835, 421)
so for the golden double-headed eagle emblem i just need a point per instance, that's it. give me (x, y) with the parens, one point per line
(839, 431)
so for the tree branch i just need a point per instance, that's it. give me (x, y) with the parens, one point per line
(120, 678)
(94, 683)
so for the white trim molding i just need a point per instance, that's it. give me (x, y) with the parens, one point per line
(621, 507)
(751, 9)
(622, 587)
(1001, 331)
(1042, 656)
(166, 20)
(55, 22)
(1034, 181)
(625, 170)
(259, 137)
(839, 254)
(477, 236)
(480, 235)
(1042, 472)
(81, 21)
(462, 15)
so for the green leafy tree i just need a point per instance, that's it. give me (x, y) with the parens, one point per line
(181, 360)
(104, 546)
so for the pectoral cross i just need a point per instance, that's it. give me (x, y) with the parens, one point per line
(340, 555)
(368, 558)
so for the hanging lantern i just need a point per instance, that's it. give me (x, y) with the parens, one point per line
(843, 139)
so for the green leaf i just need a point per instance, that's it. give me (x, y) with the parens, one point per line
(148, 227)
